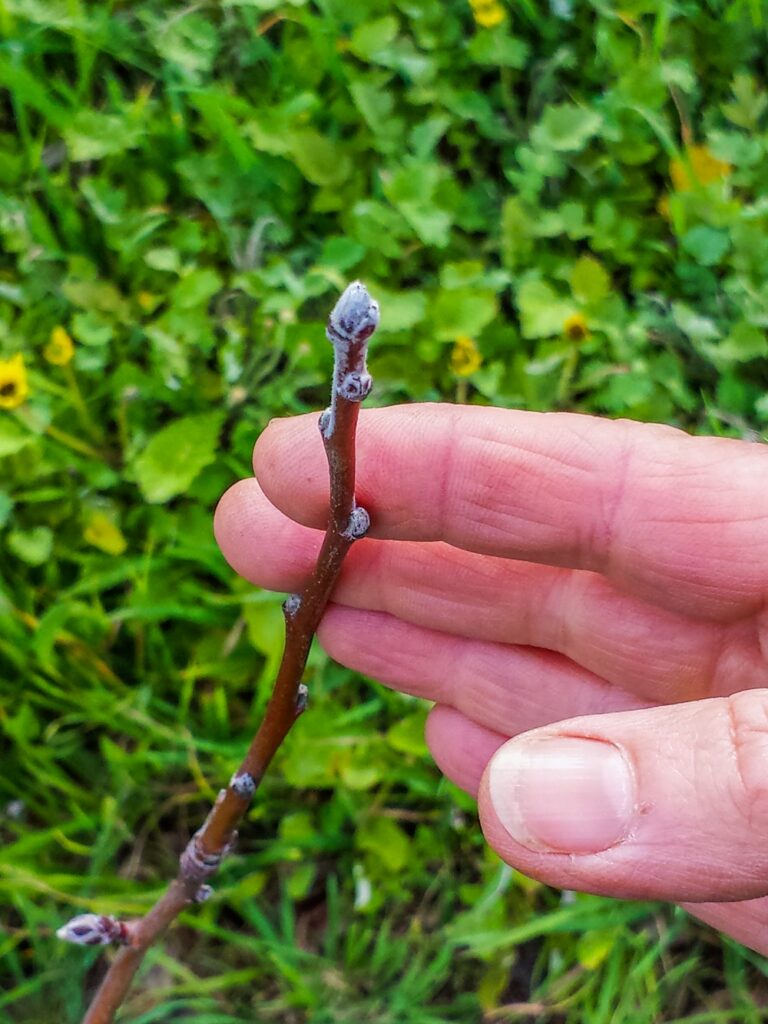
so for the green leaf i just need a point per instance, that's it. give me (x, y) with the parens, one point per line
(542, 311)
(407, 734)
(566, 128)
(385, 841)
(197, 288)
(589, 281)
(372, 37)
(498, 50)
(744, 342)
(321, 160)
(6, 507)
(400, 310)
(92, 135)
(13, 437)
(187, 39)
(706, 245)
(456, 311)
(31, 546)
(176, 454)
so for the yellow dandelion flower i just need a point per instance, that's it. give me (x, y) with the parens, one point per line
(465, 357)
(60, 348)
(487, 13)
(701, 167)
(575, 327)
(13, 382)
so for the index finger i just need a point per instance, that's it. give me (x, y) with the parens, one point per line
(679, 520)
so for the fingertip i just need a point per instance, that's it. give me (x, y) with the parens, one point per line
(461, 748)
(290, 464)
(230, 516)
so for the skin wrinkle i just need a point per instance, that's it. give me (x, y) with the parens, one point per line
(611, 508)
(748, 734)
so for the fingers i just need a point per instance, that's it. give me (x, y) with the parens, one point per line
(663, 803)
(657, 654)
(501, 686)
(462, 750)
(681, 521)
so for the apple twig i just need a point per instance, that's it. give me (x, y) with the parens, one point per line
(352, 321)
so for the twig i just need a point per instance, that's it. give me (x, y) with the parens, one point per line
(352, 321)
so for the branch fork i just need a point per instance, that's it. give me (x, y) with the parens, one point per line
(352, 321)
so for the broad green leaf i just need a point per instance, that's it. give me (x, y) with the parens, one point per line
(407, 734)
(456, 311)
(372, 37)
(176, 454)
(400, 310)
(31, 546)
(706, 245)
(566, 127)
(13, 437)
(92, 135)
(589, 281)
(321, 160)
(542, 311)
(196, 288)
(385, 841)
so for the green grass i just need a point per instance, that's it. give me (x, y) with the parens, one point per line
(184, 189)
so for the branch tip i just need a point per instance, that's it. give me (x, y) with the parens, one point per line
(355, 316)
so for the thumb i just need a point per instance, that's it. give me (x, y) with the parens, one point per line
(664, 803)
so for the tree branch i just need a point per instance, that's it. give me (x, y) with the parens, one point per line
(352, 321)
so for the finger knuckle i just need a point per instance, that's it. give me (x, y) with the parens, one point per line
(748, 726)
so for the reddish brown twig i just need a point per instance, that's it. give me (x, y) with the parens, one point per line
(353, 320)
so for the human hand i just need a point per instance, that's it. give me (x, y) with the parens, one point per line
(602, 583)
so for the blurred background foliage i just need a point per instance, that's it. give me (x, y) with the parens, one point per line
(558, 205)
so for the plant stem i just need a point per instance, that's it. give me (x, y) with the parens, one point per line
(353, 320)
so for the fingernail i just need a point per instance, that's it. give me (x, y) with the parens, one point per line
(562, 793)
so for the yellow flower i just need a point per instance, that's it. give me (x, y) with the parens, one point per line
(700, 167)
(60, 348)
(465, 357)
(13, 382)
(575, 327)
(487, 13)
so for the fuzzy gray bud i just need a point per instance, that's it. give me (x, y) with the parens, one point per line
(244, 785)
(358, 524)
(355, 386)
(354, 317)
(93, 930)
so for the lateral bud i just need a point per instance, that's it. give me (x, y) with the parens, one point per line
(325, 423)
(244, 785)
(355, 386)
(94, 930)
(203, 894)
(358, 524)
(302, 698)
(291, 605)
